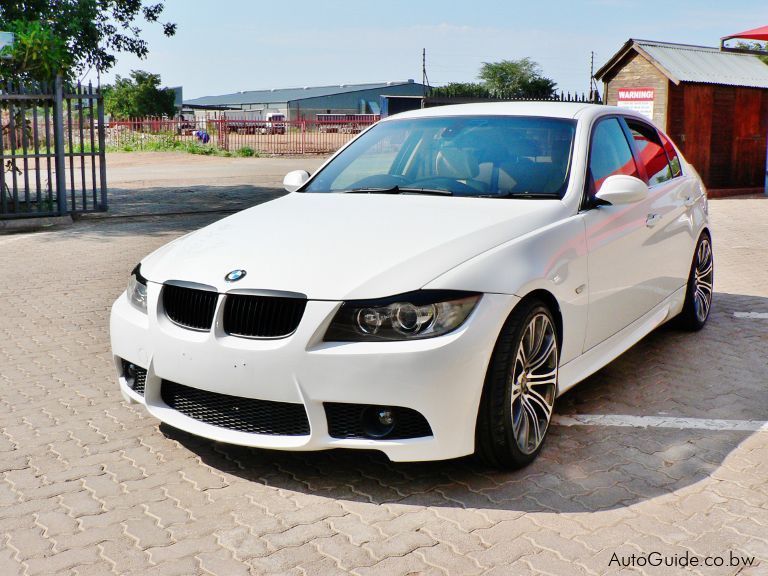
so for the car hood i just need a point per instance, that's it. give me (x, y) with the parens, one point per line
(346, 246)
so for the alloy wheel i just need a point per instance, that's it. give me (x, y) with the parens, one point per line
(702, 279)
(534, 383)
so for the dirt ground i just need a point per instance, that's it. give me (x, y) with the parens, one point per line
(141, 169)
(171, 182)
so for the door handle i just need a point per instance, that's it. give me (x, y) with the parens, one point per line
(652, 220)
(689, 201)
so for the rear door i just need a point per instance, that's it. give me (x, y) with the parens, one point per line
(669, 230)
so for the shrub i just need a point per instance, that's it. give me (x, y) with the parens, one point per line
(246, 152)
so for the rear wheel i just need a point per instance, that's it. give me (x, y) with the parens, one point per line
(698, 295)
(520, 389)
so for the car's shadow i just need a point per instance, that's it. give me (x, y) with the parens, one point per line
(718, 373)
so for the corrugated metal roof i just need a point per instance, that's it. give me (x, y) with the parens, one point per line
(707, 65)
(284, 94)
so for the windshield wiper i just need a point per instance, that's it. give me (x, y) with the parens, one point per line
(524, 195)
(428, 191)
(399, 190)
(393, 190)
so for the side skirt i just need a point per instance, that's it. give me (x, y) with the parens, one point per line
(595, 358)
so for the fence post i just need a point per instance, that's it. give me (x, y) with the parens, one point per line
(58, 145)
(102, 146)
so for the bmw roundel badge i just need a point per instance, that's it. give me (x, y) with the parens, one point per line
(235, 275)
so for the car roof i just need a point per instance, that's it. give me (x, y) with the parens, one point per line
(545, 109)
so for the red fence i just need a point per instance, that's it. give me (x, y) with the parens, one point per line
(236, 135)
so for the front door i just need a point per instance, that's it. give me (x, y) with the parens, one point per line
(620, 266)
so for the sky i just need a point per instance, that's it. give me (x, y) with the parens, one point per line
(225, 46)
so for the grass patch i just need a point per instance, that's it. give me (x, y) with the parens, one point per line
(164, 142)
(169, 143)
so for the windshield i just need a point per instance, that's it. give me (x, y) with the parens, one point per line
(488, 156)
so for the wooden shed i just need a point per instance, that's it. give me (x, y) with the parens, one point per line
(713, 103)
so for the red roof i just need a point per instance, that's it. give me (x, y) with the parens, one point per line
(755, 34)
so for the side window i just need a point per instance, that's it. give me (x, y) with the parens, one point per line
(651, 152)
(609, 154)
(674, 159)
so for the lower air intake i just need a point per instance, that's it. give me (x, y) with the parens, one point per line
(237, 413)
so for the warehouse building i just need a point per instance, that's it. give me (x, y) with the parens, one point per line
(712, 102)
(305, 103)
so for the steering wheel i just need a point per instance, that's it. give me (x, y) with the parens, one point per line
(445, 183)
(380, 181)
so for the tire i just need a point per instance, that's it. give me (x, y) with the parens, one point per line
(698, 293)
(520, 389)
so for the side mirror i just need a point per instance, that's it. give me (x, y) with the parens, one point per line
(295, 180)
(621, 189)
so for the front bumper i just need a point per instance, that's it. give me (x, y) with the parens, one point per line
(440, 378)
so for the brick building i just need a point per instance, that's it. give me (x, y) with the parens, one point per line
(713, 103)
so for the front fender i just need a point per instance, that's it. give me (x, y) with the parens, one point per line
(552, 258)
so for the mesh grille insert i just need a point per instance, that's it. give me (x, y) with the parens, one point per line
(346, 421)
(236, 413)
(189, 307)
(262, 316)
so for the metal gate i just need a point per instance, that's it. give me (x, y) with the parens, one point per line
(52, 152)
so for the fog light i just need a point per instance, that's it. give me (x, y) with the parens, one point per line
(386, 417)
(135, 376)
(378, 421)
(130, 374)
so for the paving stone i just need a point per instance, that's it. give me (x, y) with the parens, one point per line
(61, 562)
(447, 559)
(221, 563)
(146, 532)
(92, 485)
(124, 555)
(242, 543)
(29, 543)
(284, 559)
(399, 566)
(399, 545)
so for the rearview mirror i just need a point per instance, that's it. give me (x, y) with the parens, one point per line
(295, 180)
(622, 189)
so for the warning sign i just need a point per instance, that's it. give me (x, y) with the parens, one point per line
(637, 99)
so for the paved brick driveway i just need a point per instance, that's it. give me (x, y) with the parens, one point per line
(90, 485)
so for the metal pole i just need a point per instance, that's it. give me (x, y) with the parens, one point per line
(58, 145)
(102, 147)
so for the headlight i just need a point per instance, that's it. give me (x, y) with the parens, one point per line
(420, 314)
(137, 289)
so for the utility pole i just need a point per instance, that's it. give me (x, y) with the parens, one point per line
(594, 92)
(424, 78)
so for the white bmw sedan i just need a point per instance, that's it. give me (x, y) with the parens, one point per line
(429, 292)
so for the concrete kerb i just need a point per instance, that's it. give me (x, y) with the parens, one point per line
(20, 225)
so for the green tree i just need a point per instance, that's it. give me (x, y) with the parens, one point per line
(37, 53)
(461, 90)
(138, 96)
(71, 36)
(758, 46)
(516, 79)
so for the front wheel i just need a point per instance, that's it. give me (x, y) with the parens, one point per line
(698, 294)
(520, 389)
